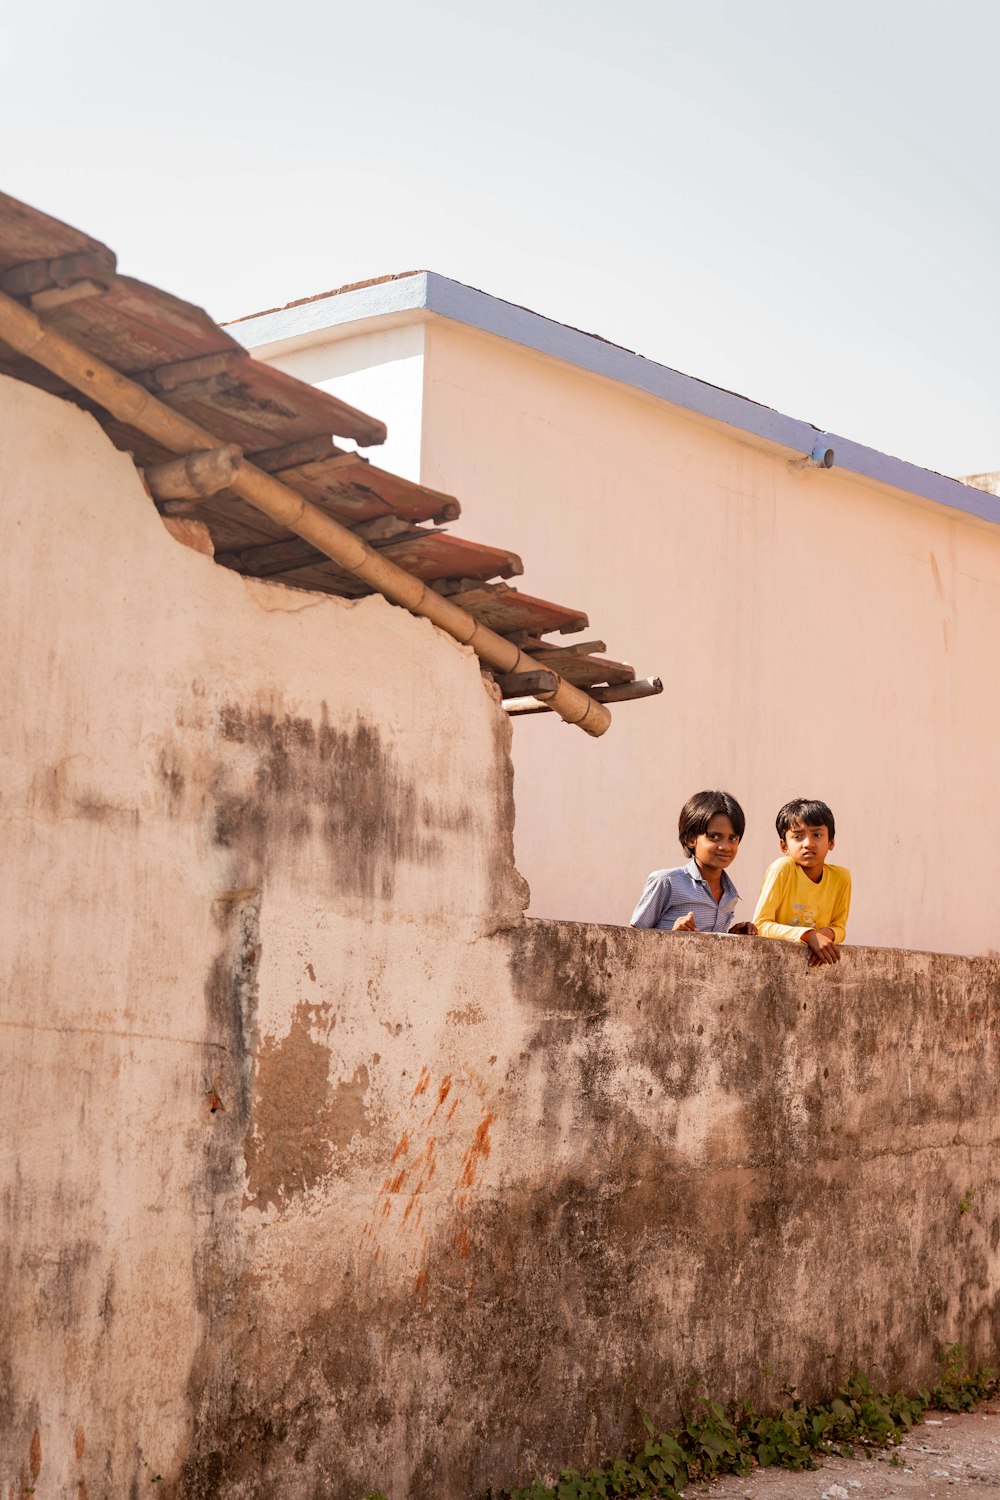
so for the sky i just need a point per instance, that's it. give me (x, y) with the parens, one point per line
(795, 201)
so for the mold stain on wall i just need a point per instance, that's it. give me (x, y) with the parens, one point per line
(295, 778)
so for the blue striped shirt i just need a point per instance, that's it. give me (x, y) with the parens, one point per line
(670, 894)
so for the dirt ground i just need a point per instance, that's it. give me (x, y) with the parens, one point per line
(944, 1454)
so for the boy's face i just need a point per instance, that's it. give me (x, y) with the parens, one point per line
(717, 847)
(807, 847)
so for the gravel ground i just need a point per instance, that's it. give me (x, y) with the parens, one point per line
(944, 1454)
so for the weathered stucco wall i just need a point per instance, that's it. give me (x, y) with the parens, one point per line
(323, 1170)
(212, 791)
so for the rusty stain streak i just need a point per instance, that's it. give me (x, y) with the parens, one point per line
(422, 1083)
(401, 1149)
(397, 1181)
(35, 1455)
(451, 1111)
(443, 1093)
(478, 1151)
(80, 1442)
(462, 1243)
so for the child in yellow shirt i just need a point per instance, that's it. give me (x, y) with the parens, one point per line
(803, 899)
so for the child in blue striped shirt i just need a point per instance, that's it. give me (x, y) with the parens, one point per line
(699, 896)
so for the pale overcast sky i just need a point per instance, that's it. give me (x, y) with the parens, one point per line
(796, 201)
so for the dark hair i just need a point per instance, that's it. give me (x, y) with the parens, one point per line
(699, 810)
(807, 812)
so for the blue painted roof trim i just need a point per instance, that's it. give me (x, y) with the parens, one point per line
(427, 291)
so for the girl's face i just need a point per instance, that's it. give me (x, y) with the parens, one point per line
(718, 846)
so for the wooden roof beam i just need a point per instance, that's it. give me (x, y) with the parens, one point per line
(578, 648)
(34, 277)
(626, 692)
(272, 559)
(527, 684)
(138, 408)
(184, 372)
(305, 451)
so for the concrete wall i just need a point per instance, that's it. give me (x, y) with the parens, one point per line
(594, 1167)
(323, 1170)
(818, 635)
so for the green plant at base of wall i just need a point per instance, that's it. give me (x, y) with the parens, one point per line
(715, 1441)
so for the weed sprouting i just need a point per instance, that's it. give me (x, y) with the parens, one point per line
(714, 1440)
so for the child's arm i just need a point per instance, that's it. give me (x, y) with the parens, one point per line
(842, 905)
(655, 896)
(768, 904)
(822, 945)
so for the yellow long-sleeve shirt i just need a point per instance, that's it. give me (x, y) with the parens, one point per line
(790, 902)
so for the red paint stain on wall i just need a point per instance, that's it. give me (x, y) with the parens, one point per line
(477, 1152)
(443, 1092)
(401, 1149)
(422, 1083)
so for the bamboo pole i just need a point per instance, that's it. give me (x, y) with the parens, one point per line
(196, 476)
(623, 692)
(130, 403)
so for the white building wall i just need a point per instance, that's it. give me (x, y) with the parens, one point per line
(381, 372)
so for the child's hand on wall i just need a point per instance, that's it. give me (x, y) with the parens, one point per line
(743, 929)
(823, 948)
